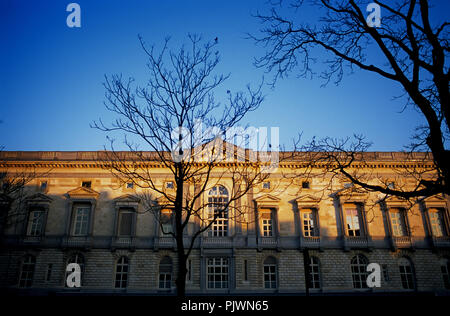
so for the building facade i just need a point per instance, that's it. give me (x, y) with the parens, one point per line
(75, 211)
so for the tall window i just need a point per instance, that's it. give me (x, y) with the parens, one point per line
(217, 273)
(266, 223)
(270, 273)
(79, 259)
(27, 271)
(81, 220)
(352, 219)
(121, 279)
(309, 223)
(217, 199)
(165, 273)
(358, 266)
(406, 273)
(445, 270)
(35, 222)
(166, 222)
(125, 222)
(398, 222)
(437, 222)
(314, 273)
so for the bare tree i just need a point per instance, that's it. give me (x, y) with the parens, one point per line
(414, 55)
(176, 118)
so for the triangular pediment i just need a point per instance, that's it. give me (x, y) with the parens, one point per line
(352, 195)
(394, 201)
(127, 198)
(434, 201)
(307, 201)
(267, 201)
(219, 150)
(82, 192)
(39, 197)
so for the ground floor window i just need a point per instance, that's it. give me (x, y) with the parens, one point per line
(217, 273)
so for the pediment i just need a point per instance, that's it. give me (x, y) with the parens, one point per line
(307, 201)
(434, 201)
(163, 200)
(127, 198)
(228, 151)
(352, 195)
(394, 201)
(82, 192)
(39, 198)
(267, 200)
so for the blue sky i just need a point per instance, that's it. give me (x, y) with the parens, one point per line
(52, 75)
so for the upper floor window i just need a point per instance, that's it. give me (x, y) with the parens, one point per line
(130, 185)
(169, 185)
(306, 185)
(121, 279)
(217, 273)
(266, 222)
(358, 267)
(309, 223)
(86, 184)
(406, 273)
(218, 211)
(27, 271)
(35, 222)
(165, 273)
(166, 221)
(437, 222)
(125, 227)
(43, 185)
(353, 220)
(266, 185)
(398, 222)
(270, 273)
(81, 220)
(314, 273)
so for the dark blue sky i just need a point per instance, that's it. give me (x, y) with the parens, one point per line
(51, 79)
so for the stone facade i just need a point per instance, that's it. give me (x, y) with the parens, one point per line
(74, 179)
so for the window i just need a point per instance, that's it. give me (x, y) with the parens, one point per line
(27, 271)
(189, 270)
(437, 222)
(48, 273)
(121, 279)
(166, 222)
(130, 185)
(398, 222)
(43, 186)
(385, 270)
(445, 269)
(266, 223)
(81, 220)
(76, 258)
(309, 223)
(358, 267)
(270, 273)
(266, 185)
(314, 273)
(406, 273)
(305, 185)
(217, 273)
(125, 222)
(245, 270)
(217, 211)
(165, 273)
(86, 184)
(169, 185)
(352, 219)
(35, 222)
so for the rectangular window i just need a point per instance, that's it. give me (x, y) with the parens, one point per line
(270, 276)
(81, 221)
(48, 273)
(189, 270)
(217, 273)
(245, 270)
(437, 222)
(125, 222)
(266, 223)
(86, 184)
(35, 223)
(398, 222)
(309, 225)
(166, 222)
(43, 186)
(130, 185)
(305, 185)
(352, 219)
(169, 185)
(266, 185)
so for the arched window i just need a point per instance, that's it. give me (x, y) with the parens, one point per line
(27, 271)
(217, 212)
(314, 273)
(78, 259)
(445, 269)
(358, 266)
(270, 273)
(121, 280)
(406, 273)
(165, 273)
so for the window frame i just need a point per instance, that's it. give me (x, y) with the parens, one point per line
(121, 277)
(223, 264)
(26, 276)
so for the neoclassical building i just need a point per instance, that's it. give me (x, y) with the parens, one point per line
(77, 212)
